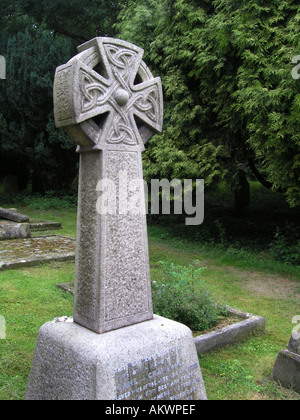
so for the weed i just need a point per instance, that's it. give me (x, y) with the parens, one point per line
(286, 245)
(181, 295)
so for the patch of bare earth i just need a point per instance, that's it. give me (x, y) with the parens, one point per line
(270, 285)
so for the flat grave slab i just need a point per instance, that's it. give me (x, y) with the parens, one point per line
(14, 216)
(14, 225)
(13, 230)
(42, 225)
(19, 253)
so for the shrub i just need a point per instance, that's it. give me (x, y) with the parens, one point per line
(49, 201)
(286, 245)
(182, 296)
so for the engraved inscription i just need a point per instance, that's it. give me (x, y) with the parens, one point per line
(160, 377)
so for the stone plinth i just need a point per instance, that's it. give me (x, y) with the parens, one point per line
(153, 360)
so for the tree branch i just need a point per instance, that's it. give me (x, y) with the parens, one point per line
(258, 175)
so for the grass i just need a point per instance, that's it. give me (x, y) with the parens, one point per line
(242, 277)
(242, 371)
(28, 299)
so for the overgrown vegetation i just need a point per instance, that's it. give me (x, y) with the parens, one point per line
(181, 295)
(266, 233)
(226, 67)
(286, 245)
(51, 200)
(230, 96)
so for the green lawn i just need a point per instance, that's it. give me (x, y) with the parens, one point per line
(247, 281)
(242, 371)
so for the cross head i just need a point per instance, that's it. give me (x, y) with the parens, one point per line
(106, 95)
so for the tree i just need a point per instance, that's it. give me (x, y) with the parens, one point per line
(79, 20)
(35, 38)
(230, 97)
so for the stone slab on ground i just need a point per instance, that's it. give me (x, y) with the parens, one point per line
(41, 225)
(153, 360)
(14, 225)
(13, 230)
(287, 370)
(29, 252)
(13, 216)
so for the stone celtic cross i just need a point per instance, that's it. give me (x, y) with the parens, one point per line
(109, 103)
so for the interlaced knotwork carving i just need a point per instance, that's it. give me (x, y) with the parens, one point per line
(106, 77)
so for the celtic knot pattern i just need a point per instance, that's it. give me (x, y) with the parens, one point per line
(92, 92)
(116, 84)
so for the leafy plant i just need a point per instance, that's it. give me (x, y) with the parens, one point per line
(48, 201)
(230, 97)
(181, 295)
(286, 245)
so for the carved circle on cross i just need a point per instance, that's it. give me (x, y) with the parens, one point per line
(107, 96)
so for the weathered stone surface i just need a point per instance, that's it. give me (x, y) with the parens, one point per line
(10, 230)
(42, 225)
(110, 104)
(112, 282)
(115, 349)
(287, 370)
(13, 216)
(294, 345)
(154, 360)
(108, 76)
(29, 252)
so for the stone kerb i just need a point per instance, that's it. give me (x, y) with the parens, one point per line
(232, 334)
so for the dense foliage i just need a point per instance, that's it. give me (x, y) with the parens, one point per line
(35, 38)
(230, 95)
(231, 102)
(79, 20)
(30, 144)
(181, 295)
